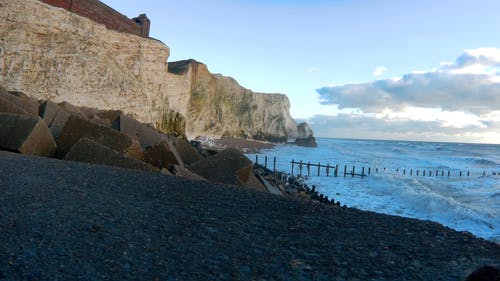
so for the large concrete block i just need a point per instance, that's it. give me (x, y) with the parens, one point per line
(48, 111)
(162, 155)
(7, 106)
(112, 117)
(77, 128)
(26, 134)
(86, 150)
(186, 173)
(57, 124)
(229, 166)
(187, 152)
(147, 136)
(28, 104)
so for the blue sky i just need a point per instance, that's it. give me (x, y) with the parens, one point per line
(316, 52)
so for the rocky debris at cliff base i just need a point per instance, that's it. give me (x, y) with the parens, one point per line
(95, 222)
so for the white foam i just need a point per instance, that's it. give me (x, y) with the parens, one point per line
(463, 203)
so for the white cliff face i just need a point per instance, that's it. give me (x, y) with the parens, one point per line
(218, 106)
(54, 54)
(51, 53)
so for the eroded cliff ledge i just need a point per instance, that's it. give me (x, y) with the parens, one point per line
(54, 54)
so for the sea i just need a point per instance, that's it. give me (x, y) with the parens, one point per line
(466, 200)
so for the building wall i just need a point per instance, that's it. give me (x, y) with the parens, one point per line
(101, 13)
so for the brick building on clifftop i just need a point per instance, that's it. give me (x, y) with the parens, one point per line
(102, 13)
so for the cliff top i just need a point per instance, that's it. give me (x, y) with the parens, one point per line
(182, 66)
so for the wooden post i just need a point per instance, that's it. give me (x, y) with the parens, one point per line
(448, 173)
(308, 168)
(404, 172)
(274, 168)
(293, 162)
(336, 173)
(300, 168)
(327, 170)
(411, 172)
(319, 166)
(376, 170)
(442, 173)
(353, 168)
(265, 162)
(468, 173)
(437, 173)
(397, 170)
(460, 173)
(417, 173)
(256, 159)
(484, 173)
(345, 170)
(369, 170)
(363, 171)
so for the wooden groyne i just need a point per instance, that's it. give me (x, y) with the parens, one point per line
(306, 168)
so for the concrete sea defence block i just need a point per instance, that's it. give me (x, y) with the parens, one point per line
(186, 173)
(77, 128)
(147, 136)
(86, 150)
(187, 152)
(162, 155)
(7, 106)
(112, 117)
(48, 111)
(57, 124)
(229, 166)
(26, 134)
(29, 105)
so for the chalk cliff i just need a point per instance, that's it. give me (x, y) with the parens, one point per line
(216, 105)
(54, 54)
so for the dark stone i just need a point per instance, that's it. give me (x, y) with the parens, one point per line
(147, 136)
(48, 111)
(21, 100)
(187, 152)
(307, 142)
(77, 128)
(229, 166)
(26, 134)
(162, 155)
(88, 151)
(485, 273)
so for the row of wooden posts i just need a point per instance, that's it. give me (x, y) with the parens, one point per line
(334, 170)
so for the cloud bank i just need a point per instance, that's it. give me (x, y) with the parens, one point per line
(456, 99)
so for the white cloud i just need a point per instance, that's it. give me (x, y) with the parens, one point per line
(456, 100)
(471, 85)
(371, 127)
(313, 69)
(379, 70)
